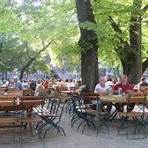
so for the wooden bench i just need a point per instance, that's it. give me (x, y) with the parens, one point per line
(13, 105)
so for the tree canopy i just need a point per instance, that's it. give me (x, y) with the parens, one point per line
(31, 30)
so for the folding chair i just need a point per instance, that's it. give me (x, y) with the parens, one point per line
(51, 116)
(137, 117)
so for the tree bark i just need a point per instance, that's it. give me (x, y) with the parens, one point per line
(89, 45)
(25, 67)
(132, 68)
(135, 42)
(130, 51)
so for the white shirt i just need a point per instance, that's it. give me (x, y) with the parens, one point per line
(38, 89)
(98, 88)
(110, 83)
(70, 84)
(25, 85)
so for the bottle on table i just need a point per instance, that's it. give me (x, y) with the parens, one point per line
(119, 91)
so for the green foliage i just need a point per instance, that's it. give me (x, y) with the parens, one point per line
(40, 24)
(27, 27)
(38, 65)
(13, 53)
(8, 19)
(66, 55)
(120, 10)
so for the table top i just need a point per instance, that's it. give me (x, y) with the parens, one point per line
(114, 98)
(16, 101)
(66, 91)
(117, 98)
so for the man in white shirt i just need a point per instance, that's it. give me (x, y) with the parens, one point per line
(109, 81)
(25, 85)
(39, 88)
(70, 84)
(103, 89)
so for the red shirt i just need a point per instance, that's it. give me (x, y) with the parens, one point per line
(124, 88)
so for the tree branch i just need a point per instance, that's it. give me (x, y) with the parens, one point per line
(44, 47)
(123, 44)
(33, 59)
(43, 43)
(145, 8)
(114, 25)
(28, 48)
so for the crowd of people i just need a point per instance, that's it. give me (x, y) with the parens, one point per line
(67, 84)
(17, 84)
(120, 87)
(106, 85)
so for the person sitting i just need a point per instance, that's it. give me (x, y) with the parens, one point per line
(109, 81)
(25, 85)
(33, 85)
(124, 87)
(39, 88)
(70, 84)
(18, 85)
(45, 84)
(103, 89)
(61, 85)
(141, 84)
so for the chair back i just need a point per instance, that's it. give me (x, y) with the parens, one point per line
(7, 102)
(55, 107)
(28, 102)
(59, 111)
(12, 89)
(3, 88)
(14, 92)
(77, 104)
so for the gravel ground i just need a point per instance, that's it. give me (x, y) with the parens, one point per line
(73, 139)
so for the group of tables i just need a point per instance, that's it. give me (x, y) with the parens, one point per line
(114, 99)
(12, 102)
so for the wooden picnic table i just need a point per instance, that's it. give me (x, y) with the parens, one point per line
(15, 104)
(118, 98)
(114, 98)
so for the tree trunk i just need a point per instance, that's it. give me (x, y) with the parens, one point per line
(89, 44)
(130, 51)
(131, 63)
(135, 69)
(131, 68)
(25, 67)
(89, 69)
